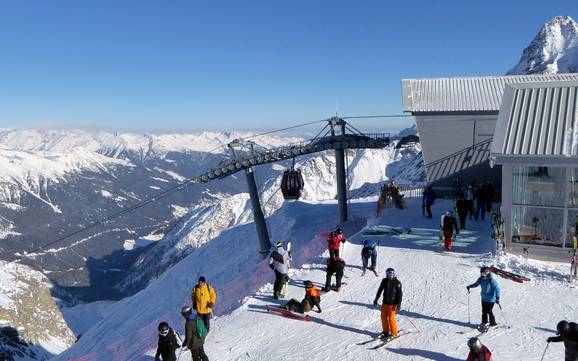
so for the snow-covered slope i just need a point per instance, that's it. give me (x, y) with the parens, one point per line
(434, 309)
(553, 50)
(31, 325)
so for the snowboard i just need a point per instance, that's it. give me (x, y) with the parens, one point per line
(289, 314)
(508, 275)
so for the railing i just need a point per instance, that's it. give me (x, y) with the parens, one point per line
(458, 161)
(411, 192)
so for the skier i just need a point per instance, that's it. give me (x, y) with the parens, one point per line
(448, 223)
(428, 199)
(469, 196)
(312, 298)
(334, 241)
(478, 352)
(167, 343)
(480, 195)
(204, 298)
(279, 262)
(392, 295)
(462, 208)
(568, 333)
(490, 291)
(195, 334)
(368, 252)
(381, 201)
(334, 265)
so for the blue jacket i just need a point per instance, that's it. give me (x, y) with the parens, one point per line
(490, 288)
(369, 243)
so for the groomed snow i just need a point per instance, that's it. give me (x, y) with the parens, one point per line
(434, 310)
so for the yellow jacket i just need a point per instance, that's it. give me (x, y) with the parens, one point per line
(202, 296)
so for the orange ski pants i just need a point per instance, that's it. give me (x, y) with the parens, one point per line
(388, 323)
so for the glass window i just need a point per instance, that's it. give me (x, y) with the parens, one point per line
(543, 226)
(572, 227)
(539, 186)
(573, 187)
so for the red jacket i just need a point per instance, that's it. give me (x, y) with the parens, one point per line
(334, 240)
(483, 355)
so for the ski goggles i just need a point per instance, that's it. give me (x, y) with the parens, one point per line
(390, 273)
(164, 332)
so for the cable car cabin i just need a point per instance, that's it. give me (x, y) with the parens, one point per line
(292, 184)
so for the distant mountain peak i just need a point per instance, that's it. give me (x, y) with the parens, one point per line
(554, 49)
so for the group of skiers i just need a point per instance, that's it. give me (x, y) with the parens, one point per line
(197, 324)
(389, 191)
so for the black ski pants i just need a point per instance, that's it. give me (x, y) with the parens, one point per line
(428, 210)
(280, 280)
(206, 318)
(463, 220)
(199, 355)
(333, 253)
(487, 311)
(338, 276)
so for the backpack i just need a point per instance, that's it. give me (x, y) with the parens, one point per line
(448, 223)
(201, 329)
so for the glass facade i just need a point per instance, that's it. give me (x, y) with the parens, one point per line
(544, 205)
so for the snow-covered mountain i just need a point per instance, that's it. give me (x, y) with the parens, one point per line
(31, 324)
(553, 50)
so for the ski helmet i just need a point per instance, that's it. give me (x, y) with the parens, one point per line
(278, 245)
(163, 328)
(307, 284)
(338, 231)
(562, 327)
(186, 310)
(474, 344)
(390, 272)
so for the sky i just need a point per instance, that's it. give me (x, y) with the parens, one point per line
(184, 65)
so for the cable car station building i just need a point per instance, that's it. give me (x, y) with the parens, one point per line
(530, 135)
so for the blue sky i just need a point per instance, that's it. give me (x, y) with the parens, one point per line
(219, 65)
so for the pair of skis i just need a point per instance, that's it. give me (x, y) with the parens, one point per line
(289, 314)
(372, 270)
(384, 341)
(508, 275)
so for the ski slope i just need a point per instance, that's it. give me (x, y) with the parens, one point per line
(435, 301)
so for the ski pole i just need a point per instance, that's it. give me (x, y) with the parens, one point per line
(469, 321)
(503, 315)
(181, 351)
(413, 324)
(545, 349)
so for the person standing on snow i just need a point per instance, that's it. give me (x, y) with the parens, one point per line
(448, 223)
(490, 292)
(392, 295)
(167, 344)
(204, 298)
(279, 262)
(194, 335)
(368, 252)
(334, 266)
(478, 352)
(480, 195)
(428, 199)
(334, 241)
(568, 333)
(462, 208)
(312, 299)
(469, 196)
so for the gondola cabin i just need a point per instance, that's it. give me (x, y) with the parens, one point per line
(292, 184)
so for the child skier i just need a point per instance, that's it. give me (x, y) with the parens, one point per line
(312, 298)
(448, 223)
(279, 263)
(568, 333)
(490, 292)
(334, 241)
(167, 344)
(392, 295)
(368, 252)
(334, 266)
(478, 352)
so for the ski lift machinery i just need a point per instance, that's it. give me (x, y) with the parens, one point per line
(292, 183)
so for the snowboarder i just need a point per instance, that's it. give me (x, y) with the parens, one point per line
(448, 223)
(368, 252)
(167, 344)
(469, 196)
(568, 333)
(478, 352)
(312, 298)
(428, 199)
(334, 241)
(490, 292)
(462, 209)
(334, 266)
(195, 333)
(204, 298)
(279, 262)
(392, 295)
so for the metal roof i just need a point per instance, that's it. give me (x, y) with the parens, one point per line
(538, 122)
(467, 94)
